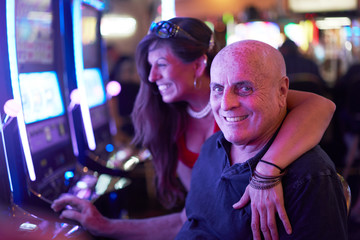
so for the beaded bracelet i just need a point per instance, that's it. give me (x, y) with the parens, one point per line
(262, 182)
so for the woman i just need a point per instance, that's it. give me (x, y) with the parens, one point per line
(172, 118)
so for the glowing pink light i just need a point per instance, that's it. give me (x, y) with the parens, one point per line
(75, 96)
(12, 107)
(113, 88)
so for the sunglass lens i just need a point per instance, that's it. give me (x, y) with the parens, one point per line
(164, 30)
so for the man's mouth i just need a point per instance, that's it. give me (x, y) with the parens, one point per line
(235, 119)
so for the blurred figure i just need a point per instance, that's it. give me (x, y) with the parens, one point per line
(347, 117)
(122, 69)
(303, 72)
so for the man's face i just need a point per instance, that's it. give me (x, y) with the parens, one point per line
(245, 104)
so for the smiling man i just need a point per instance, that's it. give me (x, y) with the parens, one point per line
(248, 98)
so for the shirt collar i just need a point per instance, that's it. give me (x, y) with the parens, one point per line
(221, 142)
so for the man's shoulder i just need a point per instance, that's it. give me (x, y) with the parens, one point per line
(313, 162)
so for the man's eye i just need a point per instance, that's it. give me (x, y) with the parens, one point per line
(244, 90)
(217, 89)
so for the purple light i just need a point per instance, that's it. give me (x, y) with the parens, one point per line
(75, 96)
(113, 88)
(12, 107)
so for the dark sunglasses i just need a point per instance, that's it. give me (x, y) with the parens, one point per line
(166, 29)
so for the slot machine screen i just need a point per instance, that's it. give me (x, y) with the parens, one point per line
(40, 96)
(43, 109)
(95, 91)
(34, 35)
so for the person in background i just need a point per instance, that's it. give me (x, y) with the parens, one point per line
(347, 120)
(303, 72)
(249, 87)
(122, 69)
(295, 61)
(172, 118)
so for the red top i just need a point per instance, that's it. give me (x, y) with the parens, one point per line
(184, 154)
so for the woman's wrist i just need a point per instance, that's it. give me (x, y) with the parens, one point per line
(264, 168)
(104, 228)
(261, 182)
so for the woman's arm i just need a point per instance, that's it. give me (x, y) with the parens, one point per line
(162, 227)
(309, 116)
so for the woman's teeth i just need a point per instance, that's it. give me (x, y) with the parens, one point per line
(163, 87)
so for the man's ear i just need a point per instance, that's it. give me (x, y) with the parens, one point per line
(200, 65)
(283, 89)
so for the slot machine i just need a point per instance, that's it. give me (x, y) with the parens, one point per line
(46, 137)
(37, 147)
(97, 149)
(94, 126)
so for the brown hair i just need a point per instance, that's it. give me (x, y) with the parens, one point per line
(157, 124)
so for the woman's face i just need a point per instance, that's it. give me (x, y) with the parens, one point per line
(174, 79)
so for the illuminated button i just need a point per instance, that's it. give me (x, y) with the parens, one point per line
(47, 132)
(81, 185)
(113, 196)
(61, 129)
(27, 227)
(109, 148)
(68, 175)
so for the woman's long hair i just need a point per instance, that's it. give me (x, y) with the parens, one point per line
(157, 124)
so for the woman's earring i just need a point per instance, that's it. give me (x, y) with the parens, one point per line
(197, 83)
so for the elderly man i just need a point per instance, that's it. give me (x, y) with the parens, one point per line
(248, 97)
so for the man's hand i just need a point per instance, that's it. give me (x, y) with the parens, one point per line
(81, 211)
(264, 205)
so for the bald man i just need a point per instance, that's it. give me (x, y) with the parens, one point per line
(248, 98)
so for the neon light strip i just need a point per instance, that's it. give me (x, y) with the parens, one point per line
(99, 5)
(79, 69)
(2, 126)
(10, 28)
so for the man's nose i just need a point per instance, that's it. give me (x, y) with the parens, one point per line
(229, 101)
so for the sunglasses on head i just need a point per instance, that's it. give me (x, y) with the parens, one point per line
(167, 29)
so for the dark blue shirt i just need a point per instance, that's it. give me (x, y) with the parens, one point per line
(313, 195)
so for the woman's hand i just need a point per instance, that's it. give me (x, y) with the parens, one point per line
(264, 205)
(82, 211)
